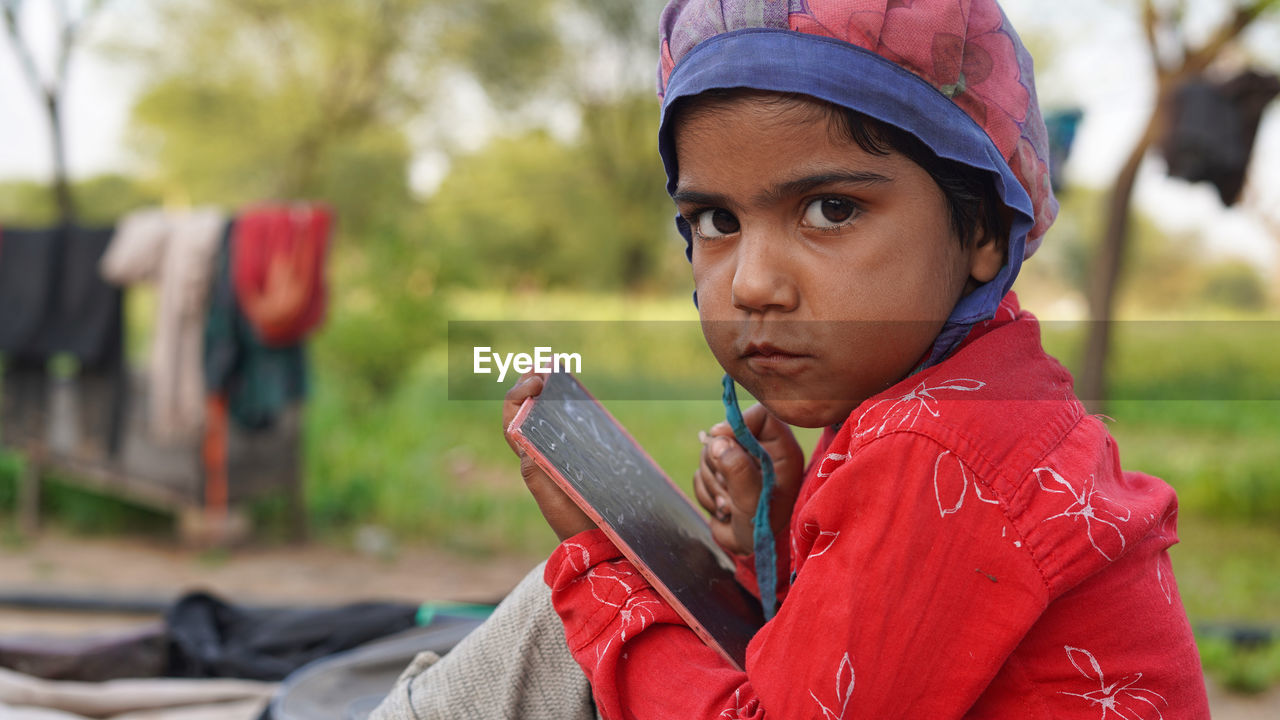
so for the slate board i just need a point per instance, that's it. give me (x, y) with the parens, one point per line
(584, 449)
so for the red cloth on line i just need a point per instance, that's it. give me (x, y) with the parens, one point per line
(277, 267)
(966, 545)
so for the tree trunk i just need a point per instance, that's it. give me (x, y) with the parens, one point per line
(1108, 263)
(61, 178)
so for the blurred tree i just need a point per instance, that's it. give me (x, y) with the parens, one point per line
(253, 99)
(1235, 284)
(531, 211)
(590, 212)
(1174, 61)
(49, 86)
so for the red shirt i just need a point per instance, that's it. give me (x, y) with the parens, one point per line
(966, 545)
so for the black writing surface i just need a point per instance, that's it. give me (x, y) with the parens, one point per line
(584, 449)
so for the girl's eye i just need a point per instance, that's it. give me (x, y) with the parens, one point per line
(715, 223)
(829, 212)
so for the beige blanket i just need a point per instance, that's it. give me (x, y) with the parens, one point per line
(23, 697)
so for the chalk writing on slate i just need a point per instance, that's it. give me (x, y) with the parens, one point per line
(584, 449)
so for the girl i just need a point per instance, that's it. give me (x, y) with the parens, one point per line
(859, 183)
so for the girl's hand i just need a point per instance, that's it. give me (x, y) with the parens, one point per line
(727, 481)
(561, 513)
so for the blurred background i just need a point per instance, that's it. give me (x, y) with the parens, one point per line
(491, 163)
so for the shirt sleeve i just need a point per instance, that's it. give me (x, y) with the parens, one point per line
(911, 591)
(634, 648)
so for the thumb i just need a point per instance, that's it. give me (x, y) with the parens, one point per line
(741, 475)
(779, 441)
(763, 425)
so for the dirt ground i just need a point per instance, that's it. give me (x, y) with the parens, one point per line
(56, 564)
(308, 575)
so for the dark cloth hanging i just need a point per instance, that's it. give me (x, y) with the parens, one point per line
(52, 301)
(84, 316)
(27, 260)
(258, 381)
(212, 638)
(1211, 128)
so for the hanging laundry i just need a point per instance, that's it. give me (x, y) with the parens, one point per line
(257, 380)
(174, 250)
(1211, 127)
(53, 302)
(27, 260)
(278, 269)
(1062, 126)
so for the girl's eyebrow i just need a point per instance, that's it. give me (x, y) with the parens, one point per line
(798, 186)
(803, 185)
(693, 197)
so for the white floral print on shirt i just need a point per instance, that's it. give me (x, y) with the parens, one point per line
(903, 411)
(1122, 699)
(951, 481)
(844, 691)
(1089, 504)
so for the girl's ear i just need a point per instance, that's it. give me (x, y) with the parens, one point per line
(986, 259)
(989, 245)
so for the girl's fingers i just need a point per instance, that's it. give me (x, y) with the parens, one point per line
(709, 489)
(701, 494)
(715, 479)
(741, 476)
(721, 429)
(725, 537)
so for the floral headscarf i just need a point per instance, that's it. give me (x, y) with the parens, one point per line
(951, 72)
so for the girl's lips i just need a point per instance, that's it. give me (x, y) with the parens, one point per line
(767, 359)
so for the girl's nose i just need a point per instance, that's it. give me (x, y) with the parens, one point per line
(762, 278)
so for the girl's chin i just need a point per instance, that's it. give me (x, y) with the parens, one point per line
(809, 413)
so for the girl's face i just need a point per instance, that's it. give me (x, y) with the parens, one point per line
(823, 272)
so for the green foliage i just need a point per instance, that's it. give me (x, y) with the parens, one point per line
(423, 467)
(532, 212)
(103, 199)
(86, 512)
(100, 200)
(510, 47)
(10, 467)
(23, 202)
(1246, 670)
(255, 99)
(385, 312)
(1235, 284)
(258, 99)
(1226, 569)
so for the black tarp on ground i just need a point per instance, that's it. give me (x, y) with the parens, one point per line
(209, 637)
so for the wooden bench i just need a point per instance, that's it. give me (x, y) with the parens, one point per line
(62, 423)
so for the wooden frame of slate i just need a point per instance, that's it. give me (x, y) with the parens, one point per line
(656, 526)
